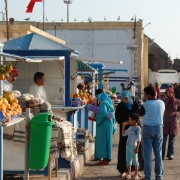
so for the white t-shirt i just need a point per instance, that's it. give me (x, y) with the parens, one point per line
(134, 135)
(7, 86)
(133, 90)
(37, 91)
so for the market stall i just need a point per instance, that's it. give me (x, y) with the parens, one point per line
(8, 104)
(59, 84)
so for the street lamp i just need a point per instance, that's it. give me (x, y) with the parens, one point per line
(68, 2)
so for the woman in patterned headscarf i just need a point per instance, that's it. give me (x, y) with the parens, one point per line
(123, 110)
(171, 123)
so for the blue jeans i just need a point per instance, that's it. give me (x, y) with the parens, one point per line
(170, 152)
(152, 138)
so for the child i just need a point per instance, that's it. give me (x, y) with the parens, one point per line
(132, 144)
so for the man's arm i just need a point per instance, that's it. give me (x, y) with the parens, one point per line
(141, 111)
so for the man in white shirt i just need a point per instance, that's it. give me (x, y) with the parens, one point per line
(36, 89)
(8, 81)
(132, 89)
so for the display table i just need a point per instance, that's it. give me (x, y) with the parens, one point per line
(4, 124)
(12, 122)
(66, 109)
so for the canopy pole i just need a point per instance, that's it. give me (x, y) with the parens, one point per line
(93, 84)
(26, 168)
(1, 128)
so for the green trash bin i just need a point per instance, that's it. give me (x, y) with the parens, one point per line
(40, 140)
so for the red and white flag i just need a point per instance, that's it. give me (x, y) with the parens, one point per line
(31, 5)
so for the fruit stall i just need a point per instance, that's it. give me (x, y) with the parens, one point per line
(60, 82)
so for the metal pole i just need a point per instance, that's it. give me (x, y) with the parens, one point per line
(43, 14)
(67, 12)
(26, 168)
(93, 84)
(55, 30)
(134, 28)
(1, 128)
(7, 26)
(1, 153)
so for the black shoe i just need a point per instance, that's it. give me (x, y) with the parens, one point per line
(170, 158)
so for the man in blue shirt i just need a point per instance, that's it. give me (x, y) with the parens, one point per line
(152, 133)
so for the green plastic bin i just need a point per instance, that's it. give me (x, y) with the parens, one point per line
(40, 140)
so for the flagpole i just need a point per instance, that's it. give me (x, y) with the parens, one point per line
(43, 14)
(134, 28)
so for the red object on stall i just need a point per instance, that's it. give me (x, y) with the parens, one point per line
(91, 118)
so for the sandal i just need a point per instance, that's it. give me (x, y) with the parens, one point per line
(124, 175)
(139, 174)
(136, 177)
(128, 176)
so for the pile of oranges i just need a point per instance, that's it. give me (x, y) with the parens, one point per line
(5, 70)
(9, 106)
(85, 97)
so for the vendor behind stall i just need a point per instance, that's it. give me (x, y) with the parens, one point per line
(80, 87)
(8, 82)
(36, 89)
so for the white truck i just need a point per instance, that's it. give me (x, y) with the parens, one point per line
(164, 77)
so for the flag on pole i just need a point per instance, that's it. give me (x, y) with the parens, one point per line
(31, 5)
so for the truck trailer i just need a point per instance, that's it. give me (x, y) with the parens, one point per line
(164, 77)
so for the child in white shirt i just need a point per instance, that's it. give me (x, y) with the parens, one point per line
(132, 144)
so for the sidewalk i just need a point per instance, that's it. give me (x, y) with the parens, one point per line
(91, 171)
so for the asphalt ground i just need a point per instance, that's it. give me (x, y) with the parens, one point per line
(92, 171)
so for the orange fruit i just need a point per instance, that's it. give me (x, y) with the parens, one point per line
(7, 114)
(5, 101)
(3, 108)
(15, 100)
(14, 113)
(8, 120)
(2, 76)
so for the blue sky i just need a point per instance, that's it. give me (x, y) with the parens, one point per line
(164, 15)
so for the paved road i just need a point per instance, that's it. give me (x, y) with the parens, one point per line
(92, 171)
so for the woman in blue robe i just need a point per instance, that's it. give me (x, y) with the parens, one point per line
(104, 130)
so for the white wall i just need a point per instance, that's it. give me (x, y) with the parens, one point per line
(103, 44)
(54, 77)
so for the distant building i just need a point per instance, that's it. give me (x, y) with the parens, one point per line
(112, 41)
(176, 65)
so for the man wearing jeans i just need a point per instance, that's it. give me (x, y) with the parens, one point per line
(152, 133)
